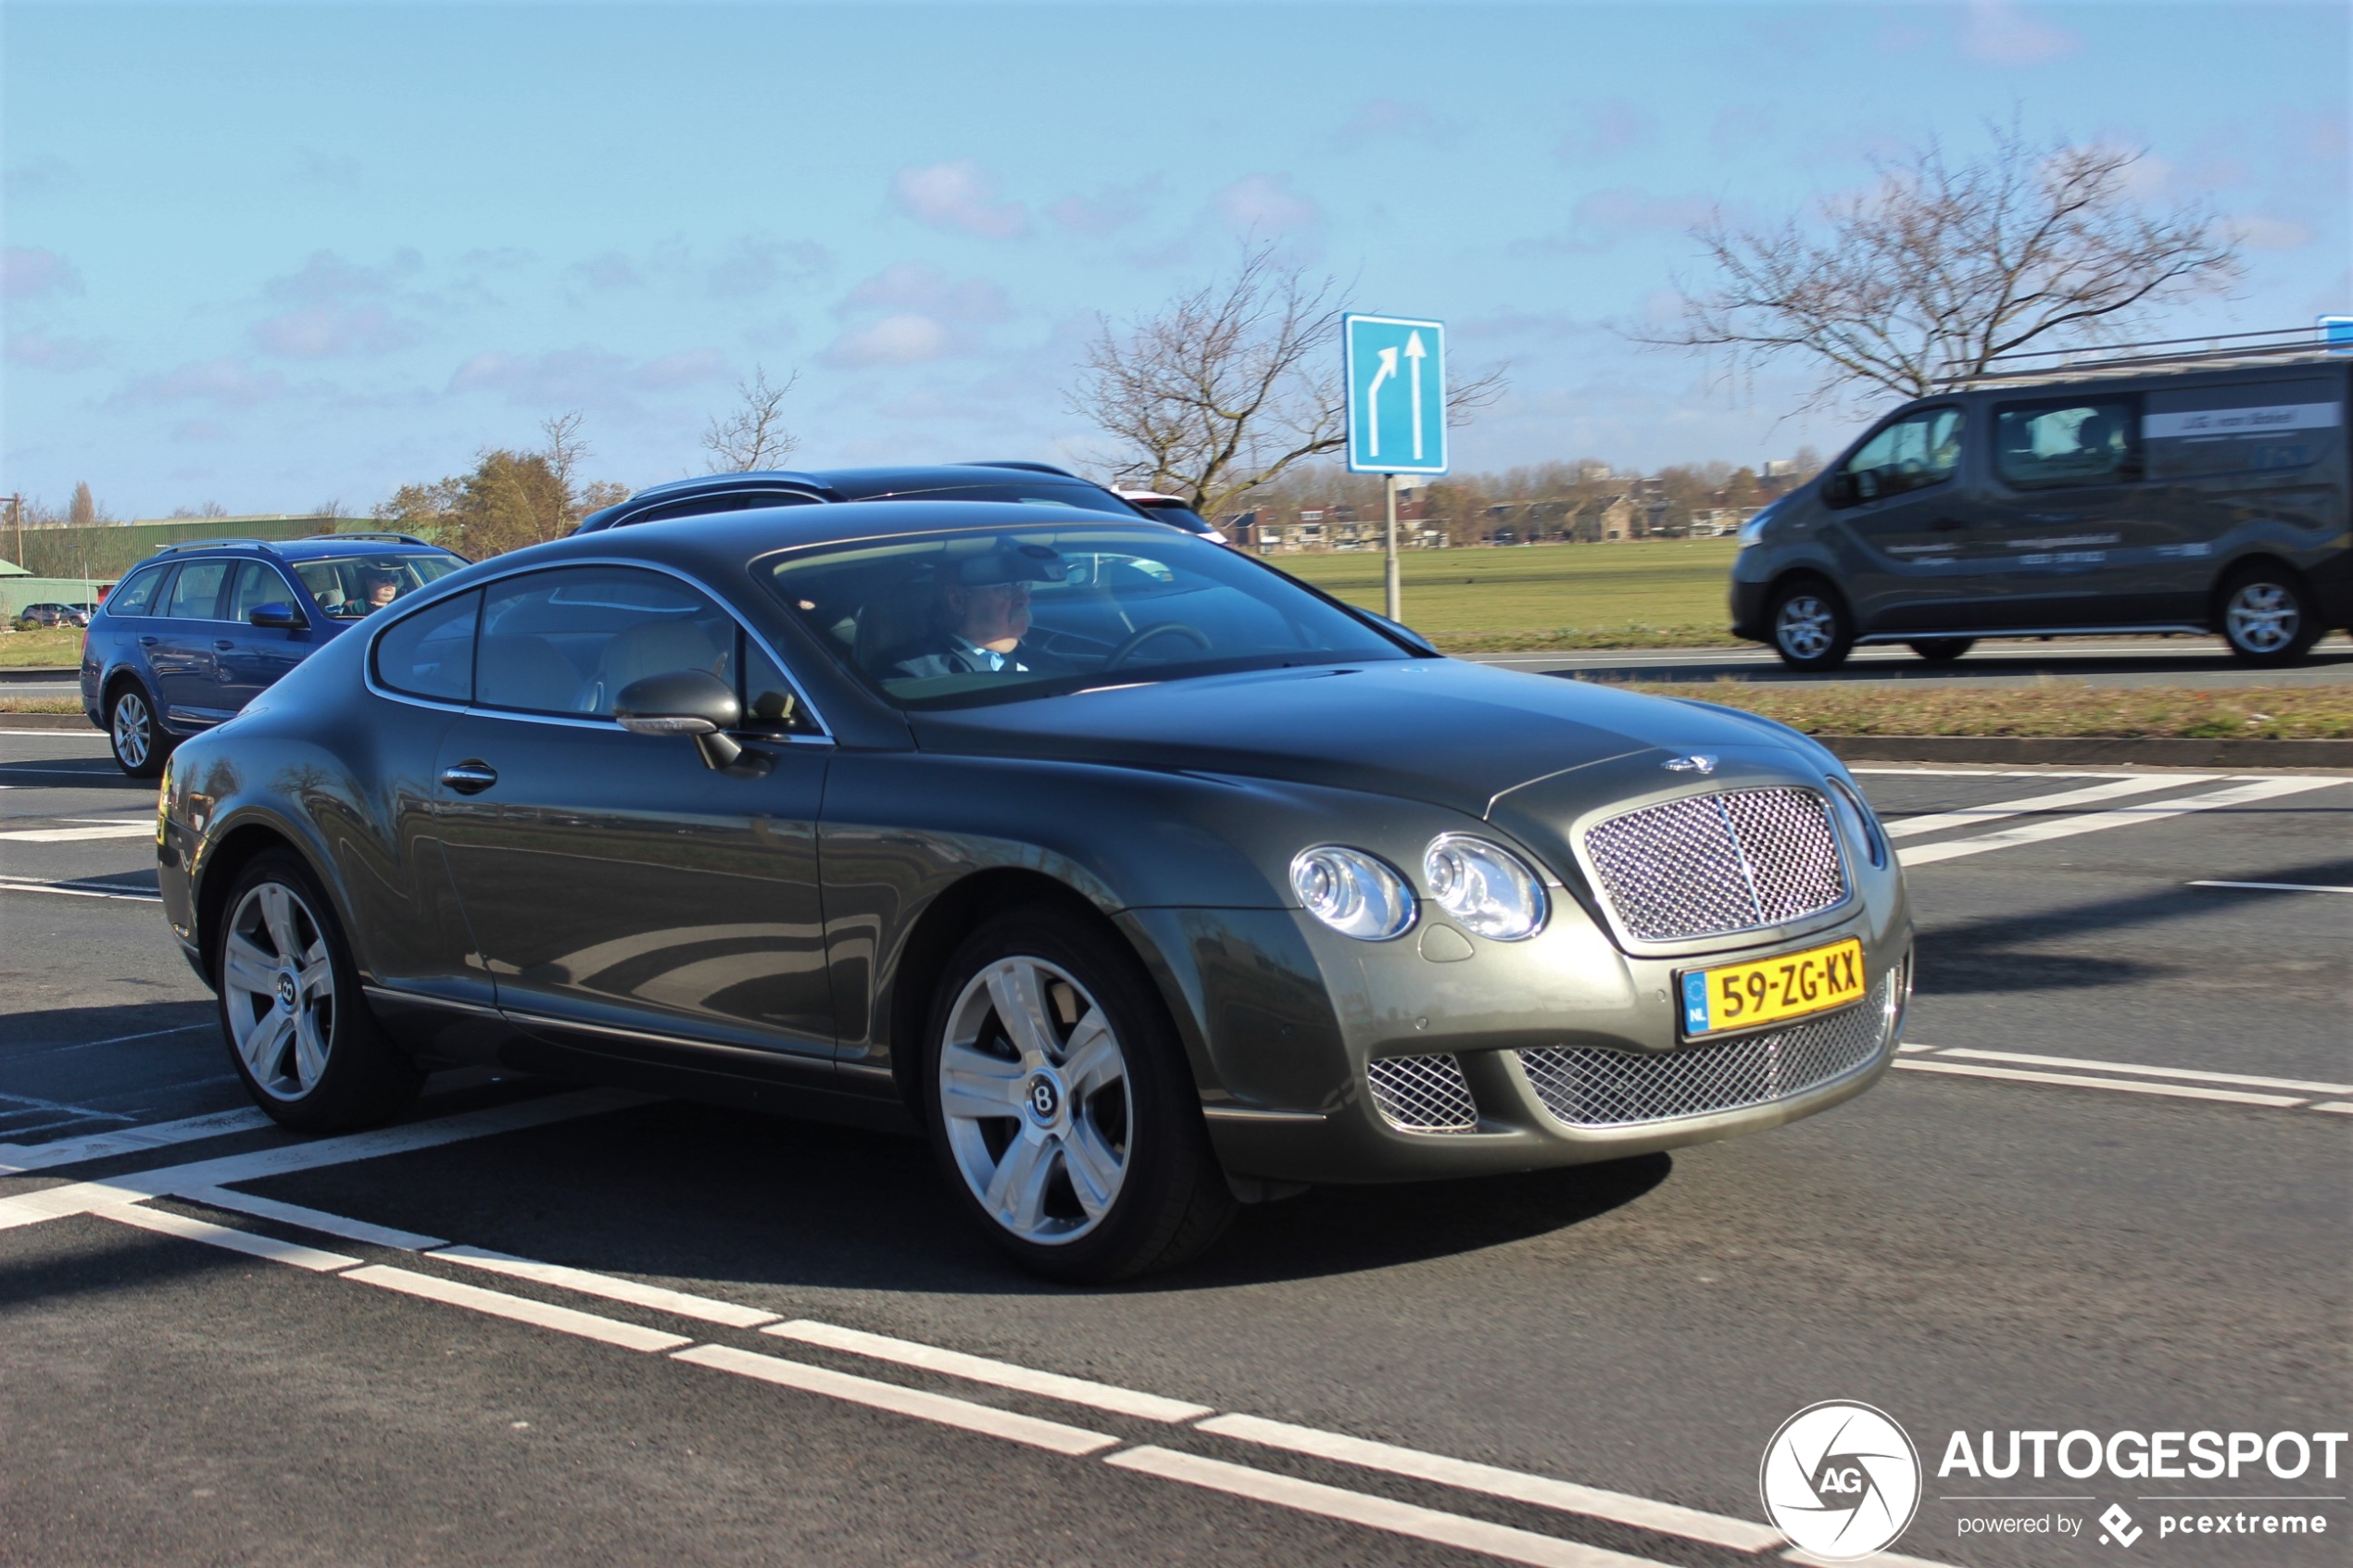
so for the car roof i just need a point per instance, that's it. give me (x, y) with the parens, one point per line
(832, 485)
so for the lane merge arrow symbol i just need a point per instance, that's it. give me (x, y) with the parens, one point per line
(1415, 352)
(1372, 398)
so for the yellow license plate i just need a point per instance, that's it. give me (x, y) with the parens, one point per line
(1743, 995)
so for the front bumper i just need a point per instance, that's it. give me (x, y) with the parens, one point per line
(1748, 611)
(1322, 1053)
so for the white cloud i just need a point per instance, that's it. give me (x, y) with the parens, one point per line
(227, 381)
(45, 353)
(904, 339)
(29, 271)
(959, 196)
(683, 368)
(1106, 211)
(2000, 33)
(756, 263)
(557, 378)
(325, 331)
(1265, 204)
(908, 286)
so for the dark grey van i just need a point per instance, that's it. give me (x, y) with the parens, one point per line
(2200, 493)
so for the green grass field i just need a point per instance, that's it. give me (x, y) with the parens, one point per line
(1642, 593)
(35, 650)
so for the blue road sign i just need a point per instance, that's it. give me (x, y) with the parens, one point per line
(2337, 332)
(1396, 394)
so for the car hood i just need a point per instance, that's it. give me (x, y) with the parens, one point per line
(1438, 730)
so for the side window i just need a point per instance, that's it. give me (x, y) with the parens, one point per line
(2045, 446)
(1911, 453)
(568, 641)
(137, 596)
(769, 700)
(431, 652)
(195, 592)
(257, 584)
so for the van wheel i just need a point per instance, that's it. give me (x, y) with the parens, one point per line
(138, 741)
(1942, 650)
(1811, 628)
(2267, 618)
(1060, 1106)
(301, 1035)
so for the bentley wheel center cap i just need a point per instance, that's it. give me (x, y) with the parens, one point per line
(1045, 1097)
(286, 991)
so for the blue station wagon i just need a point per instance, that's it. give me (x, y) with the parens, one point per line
(187, 639)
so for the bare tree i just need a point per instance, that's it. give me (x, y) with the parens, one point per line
(1231, 385)
(1939, 268)
(753, 434)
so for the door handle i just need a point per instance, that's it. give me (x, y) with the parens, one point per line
(2049, 518)
(1946, 525)
(149, 642)
(225, 647)
(469, 777)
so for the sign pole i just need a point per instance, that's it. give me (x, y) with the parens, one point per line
(1395, 610)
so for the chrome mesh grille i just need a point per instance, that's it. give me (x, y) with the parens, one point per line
(1708, 864)
(1586, 1086)
(1423, 1094)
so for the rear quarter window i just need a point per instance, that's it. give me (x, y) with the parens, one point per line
(2246, 428)
(137, 595)
(431, 654)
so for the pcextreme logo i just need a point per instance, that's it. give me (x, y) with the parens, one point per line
(1841, 1480)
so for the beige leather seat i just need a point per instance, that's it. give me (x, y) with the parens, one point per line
(652, 648)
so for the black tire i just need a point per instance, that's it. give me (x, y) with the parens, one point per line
(1171, 1198)
(1942, 650)
(133, 734)
(1810, 625)
(316, 1068)
(2265, 614)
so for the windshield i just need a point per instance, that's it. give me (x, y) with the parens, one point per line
(949, 620)
(350, 586)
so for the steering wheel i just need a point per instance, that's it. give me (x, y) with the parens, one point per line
(1135, 640)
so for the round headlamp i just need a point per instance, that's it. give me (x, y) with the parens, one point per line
(1353, 892)
(1484, 888)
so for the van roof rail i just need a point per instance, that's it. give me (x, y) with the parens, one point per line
(395, 538)
(2215, 351)
(272, 546)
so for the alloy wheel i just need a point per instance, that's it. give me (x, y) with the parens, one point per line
(133, 730)
(1034, 1091)
(1806, 626)
(279, 983)
(2263, 618)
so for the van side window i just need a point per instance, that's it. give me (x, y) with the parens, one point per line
(1911, 453)
(2084, 441)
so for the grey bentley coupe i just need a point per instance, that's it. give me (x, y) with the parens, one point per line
(1140, 877)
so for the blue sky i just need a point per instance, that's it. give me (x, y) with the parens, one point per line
(270, 256)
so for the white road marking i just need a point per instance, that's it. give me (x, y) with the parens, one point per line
(1912, 827)
(1543, 1490)
(68, 835)
(1985, 773)
(2197, 1075)
(1877, 1560)
(35, 1104)
(2121, 1086)
(2273, 886)
(80, 1198)
(111, 1040)
(312, 1219)
(986, 1419)
(678, 1303)
(16, 1158)
(1378, 1513)
(267, 1247)
(2342, 1107)
(519, 1308)
(980, 1368)
(2095, 822)
(77, 890)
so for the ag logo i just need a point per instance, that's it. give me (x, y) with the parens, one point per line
(1842, 1481)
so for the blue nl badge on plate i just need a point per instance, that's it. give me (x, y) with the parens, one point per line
(1695, 1004)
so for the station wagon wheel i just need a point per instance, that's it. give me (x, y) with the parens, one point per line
(1811, 629)
(301, 1037)
(2265, 618)
(132, 730)
(1060, 1106)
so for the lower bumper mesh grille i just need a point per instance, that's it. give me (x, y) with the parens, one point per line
(1423, 1094)
(1590, 1087)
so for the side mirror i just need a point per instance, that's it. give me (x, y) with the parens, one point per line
(1838, 488)
(686, 702)
(282, 616)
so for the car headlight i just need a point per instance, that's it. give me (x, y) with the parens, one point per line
(1863, 820)
(1353, 892)
(1489, 890)
(1753, 531)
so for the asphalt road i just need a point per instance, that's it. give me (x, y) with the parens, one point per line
(2129, 662)
(2106, 1190)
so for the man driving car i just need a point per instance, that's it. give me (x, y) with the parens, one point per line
(980, 613)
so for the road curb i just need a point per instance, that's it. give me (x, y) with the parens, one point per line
(2160, 751)
(27, 673)
(45, 722)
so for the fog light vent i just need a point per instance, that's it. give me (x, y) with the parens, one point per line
(1423, 1094)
